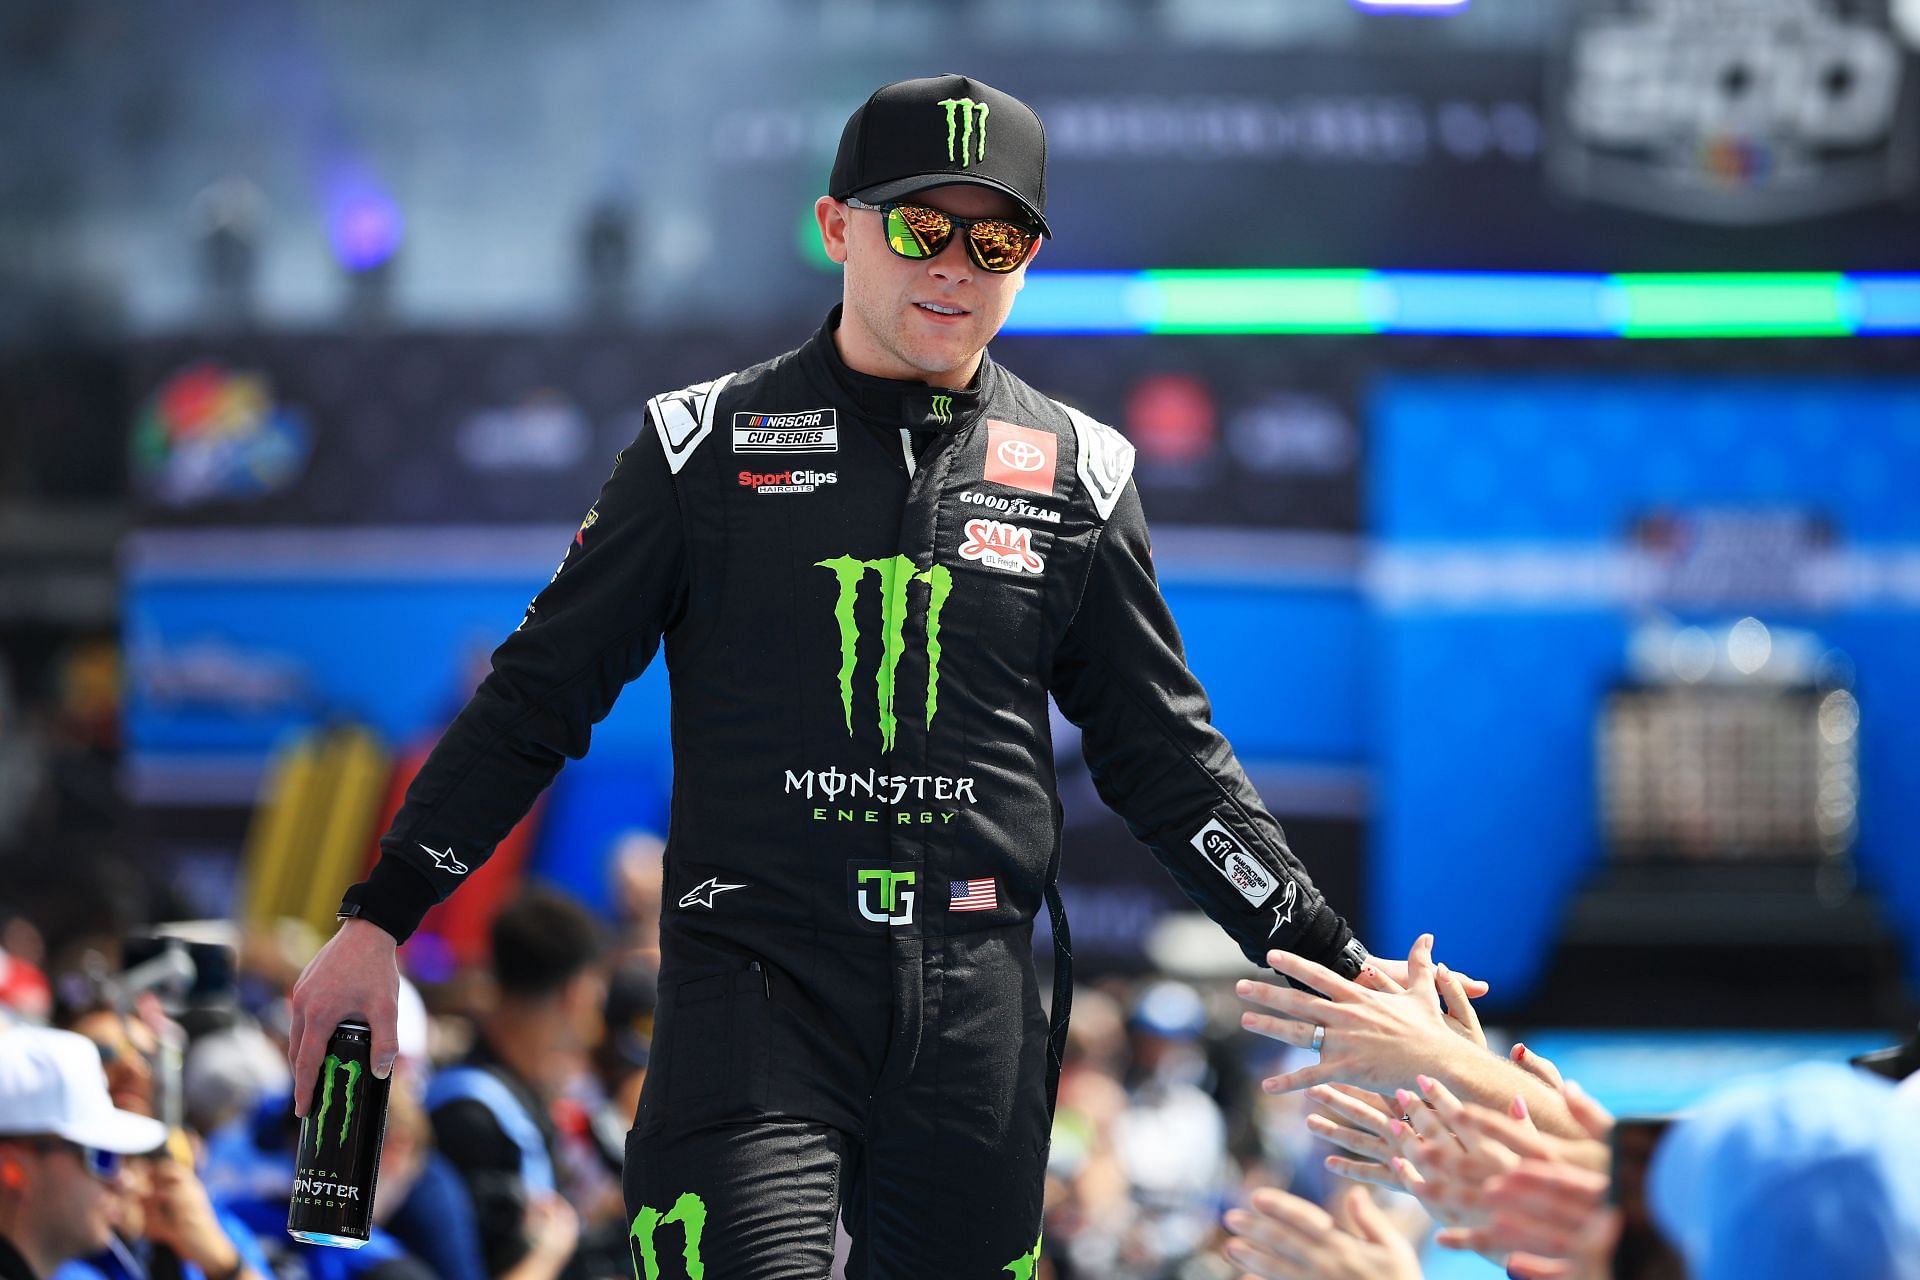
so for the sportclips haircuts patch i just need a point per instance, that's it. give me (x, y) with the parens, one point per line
(1232, 859)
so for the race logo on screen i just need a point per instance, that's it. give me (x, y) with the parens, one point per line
(1761, 111)
(1020, 457)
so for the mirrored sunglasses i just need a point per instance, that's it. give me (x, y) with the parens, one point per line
(919, 231)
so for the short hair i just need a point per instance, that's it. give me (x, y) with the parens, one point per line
(542, 940)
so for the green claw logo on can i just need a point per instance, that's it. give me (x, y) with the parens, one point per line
(327, 1069)
(962, 111)
(895, 573)
(690, 1211)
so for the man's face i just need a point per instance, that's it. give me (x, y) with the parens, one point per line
(73, 1211)
(888, 326)
(126, 1047)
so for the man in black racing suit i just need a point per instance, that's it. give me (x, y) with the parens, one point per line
(871, 559)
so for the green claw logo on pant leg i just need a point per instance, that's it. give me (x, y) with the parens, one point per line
(1026, 1264)
(690, 1211)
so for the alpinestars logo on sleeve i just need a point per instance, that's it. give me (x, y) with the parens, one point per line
(443, 860)
(896, 573)
(963, 112)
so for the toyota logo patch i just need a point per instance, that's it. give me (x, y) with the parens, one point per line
(1020, 457)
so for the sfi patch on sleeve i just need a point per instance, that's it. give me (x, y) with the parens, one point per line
(1232, 859)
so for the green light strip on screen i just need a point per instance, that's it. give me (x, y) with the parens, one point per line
(1263, 302)
(1735, 305)
(1628, 305)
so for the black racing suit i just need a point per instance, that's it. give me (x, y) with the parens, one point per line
(867, 590)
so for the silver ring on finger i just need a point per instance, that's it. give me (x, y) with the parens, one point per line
(1319, 1039)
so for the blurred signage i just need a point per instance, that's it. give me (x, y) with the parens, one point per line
(482, 429)
(1733, 123)
(211, 432)
(1735, 111)
(1735, 558)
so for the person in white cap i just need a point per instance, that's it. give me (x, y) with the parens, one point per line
(61, 1140)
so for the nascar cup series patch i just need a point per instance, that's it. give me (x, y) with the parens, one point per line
(809, 431)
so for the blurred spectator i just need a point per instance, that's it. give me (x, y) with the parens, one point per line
(1089, 1200)
(1379, 1033)
(620, 1059)
(169, 1225)
(493, 1112)
(426, 1207)
(1282, 1237)
(1171, 1139)
(637, 880)
(24, 993)
(126, 1046)
(62, 1142)
(1812, 1172)
(227, 1070)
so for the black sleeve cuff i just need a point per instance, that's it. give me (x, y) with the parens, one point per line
(1327, 940)
(394, 896)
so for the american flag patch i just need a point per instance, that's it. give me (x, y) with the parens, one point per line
(972, 895)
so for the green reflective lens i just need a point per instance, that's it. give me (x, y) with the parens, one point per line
(914, 231)
(918, 232)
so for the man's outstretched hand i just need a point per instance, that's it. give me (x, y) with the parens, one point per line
(355, 976)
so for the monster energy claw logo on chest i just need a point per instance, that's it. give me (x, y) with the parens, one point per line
(338, 1161)
(943, 410)
(895, 573)
(969, 117)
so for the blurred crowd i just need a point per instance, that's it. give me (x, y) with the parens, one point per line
(1324, 1128)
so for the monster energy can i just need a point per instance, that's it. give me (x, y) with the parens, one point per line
(338, 1162)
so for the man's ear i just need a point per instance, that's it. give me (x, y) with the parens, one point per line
(1032, 253)
(834, 219)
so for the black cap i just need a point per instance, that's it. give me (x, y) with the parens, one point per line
(915, 134)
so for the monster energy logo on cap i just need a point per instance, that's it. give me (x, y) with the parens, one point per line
(895, 573)
(332, 1065)
(961, 111)
(943, 410)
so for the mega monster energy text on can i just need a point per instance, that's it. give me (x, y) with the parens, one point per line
(339, 1158)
